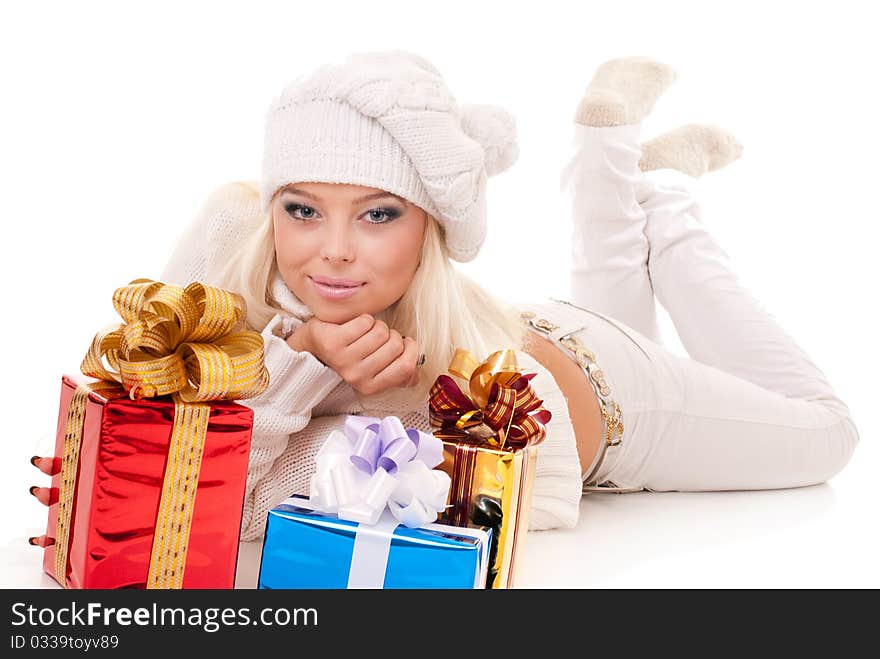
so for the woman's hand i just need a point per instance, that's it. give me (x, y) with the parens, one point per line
(45, 495)
(365, 352)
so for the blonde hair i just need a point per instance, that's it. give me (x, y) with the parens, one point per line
(443, 309)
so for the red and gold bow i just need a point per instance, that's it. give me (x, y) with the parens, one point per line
(501, 410)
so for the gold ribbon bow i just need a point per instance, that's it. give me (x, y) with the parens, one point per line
(189, 343)
(174, 338)
(502, 408)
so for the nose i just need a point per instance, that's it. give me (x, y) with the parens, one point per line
(338, 244)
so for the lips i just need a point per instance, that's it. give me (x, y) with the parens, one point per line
(335, 292)
(337, 283)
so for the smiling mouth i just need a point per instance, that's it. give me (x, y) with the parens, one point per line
(329, 292)
(331, 285)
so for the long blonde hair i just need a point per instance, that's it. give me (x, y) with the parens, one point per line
(443, 309)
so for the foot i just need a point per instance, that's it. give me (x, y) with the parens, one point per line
(623, 91)
(693, 149)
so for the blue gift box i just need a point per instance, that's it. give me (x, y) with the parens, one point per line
(304, 548)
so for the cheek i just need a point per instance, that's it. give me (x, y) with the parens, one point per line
(401, 253)
(290, 249)
(398, 262)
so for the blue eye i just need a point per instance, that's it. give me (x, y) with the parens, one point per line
(375, 215)
(306, 212)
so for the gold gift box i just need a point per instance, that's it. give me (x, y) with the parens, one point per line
(490, 428)
(491, 487)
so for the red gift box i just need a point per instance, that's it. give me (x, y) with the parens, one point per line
(152, 451)
(118, 486)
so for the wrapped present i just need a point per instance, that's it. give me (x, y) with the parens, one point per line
(369, 519)
(153, 448)
(490, 436)
(305, 548)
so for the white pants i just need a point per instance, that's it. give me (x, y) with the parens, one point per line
(748, 410)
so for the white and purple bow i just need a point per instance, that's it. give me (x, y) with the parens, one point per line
(377, 462)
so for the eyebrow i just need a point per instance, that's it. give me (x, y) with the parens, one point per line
(374, 195)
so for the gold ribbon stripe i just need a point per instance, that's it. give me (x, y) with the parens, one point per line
(179, 487)
(73, 432)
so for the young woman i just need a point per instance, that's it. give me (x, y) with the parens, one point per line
(374, 182)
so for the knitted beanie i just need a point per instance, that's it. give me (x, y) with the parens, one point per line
(386, 120)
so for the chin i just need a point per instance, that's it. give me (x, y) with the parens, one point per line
(336, 315)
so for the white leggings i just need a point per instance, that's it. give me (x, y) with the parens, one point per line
(748, 410)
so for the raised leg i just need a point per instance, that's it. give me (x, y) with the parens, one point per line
(719, 322)
(609, 248)
(748, 409)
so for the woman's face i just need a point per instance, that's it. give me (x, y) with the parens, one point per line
(366, 237)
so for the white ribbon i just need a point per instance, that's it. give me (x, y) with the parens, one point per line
(377, 463)
(369, 558)
(372, 544)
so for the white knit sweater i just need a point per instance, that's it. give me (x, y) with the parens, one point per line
(306, 400)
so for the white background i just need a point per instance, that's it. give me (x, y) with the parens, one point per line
(116, 122)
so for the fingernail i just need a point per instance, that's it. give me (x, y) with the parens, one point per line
(32, 488)
(41, 541)
(48, 465)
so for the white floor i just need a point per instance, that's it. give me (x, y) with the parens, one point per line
(821, 536)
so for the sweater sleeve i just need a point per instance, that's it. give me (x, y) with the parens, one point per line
(298, 381)
(556, 493)
(223, 221)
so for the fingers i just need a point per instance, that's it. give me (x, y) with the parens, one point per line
(377, 358)
(402, 371)
(41, 541)
(355, 328)
(374, 363)
(367, 345)
(45, 495)
(49, 466)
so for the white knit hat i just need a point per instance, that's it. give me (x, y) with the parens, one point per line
(386, 120)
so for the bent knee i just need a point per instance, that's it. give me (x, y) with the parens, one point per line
(839, 448)
(849, 439)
